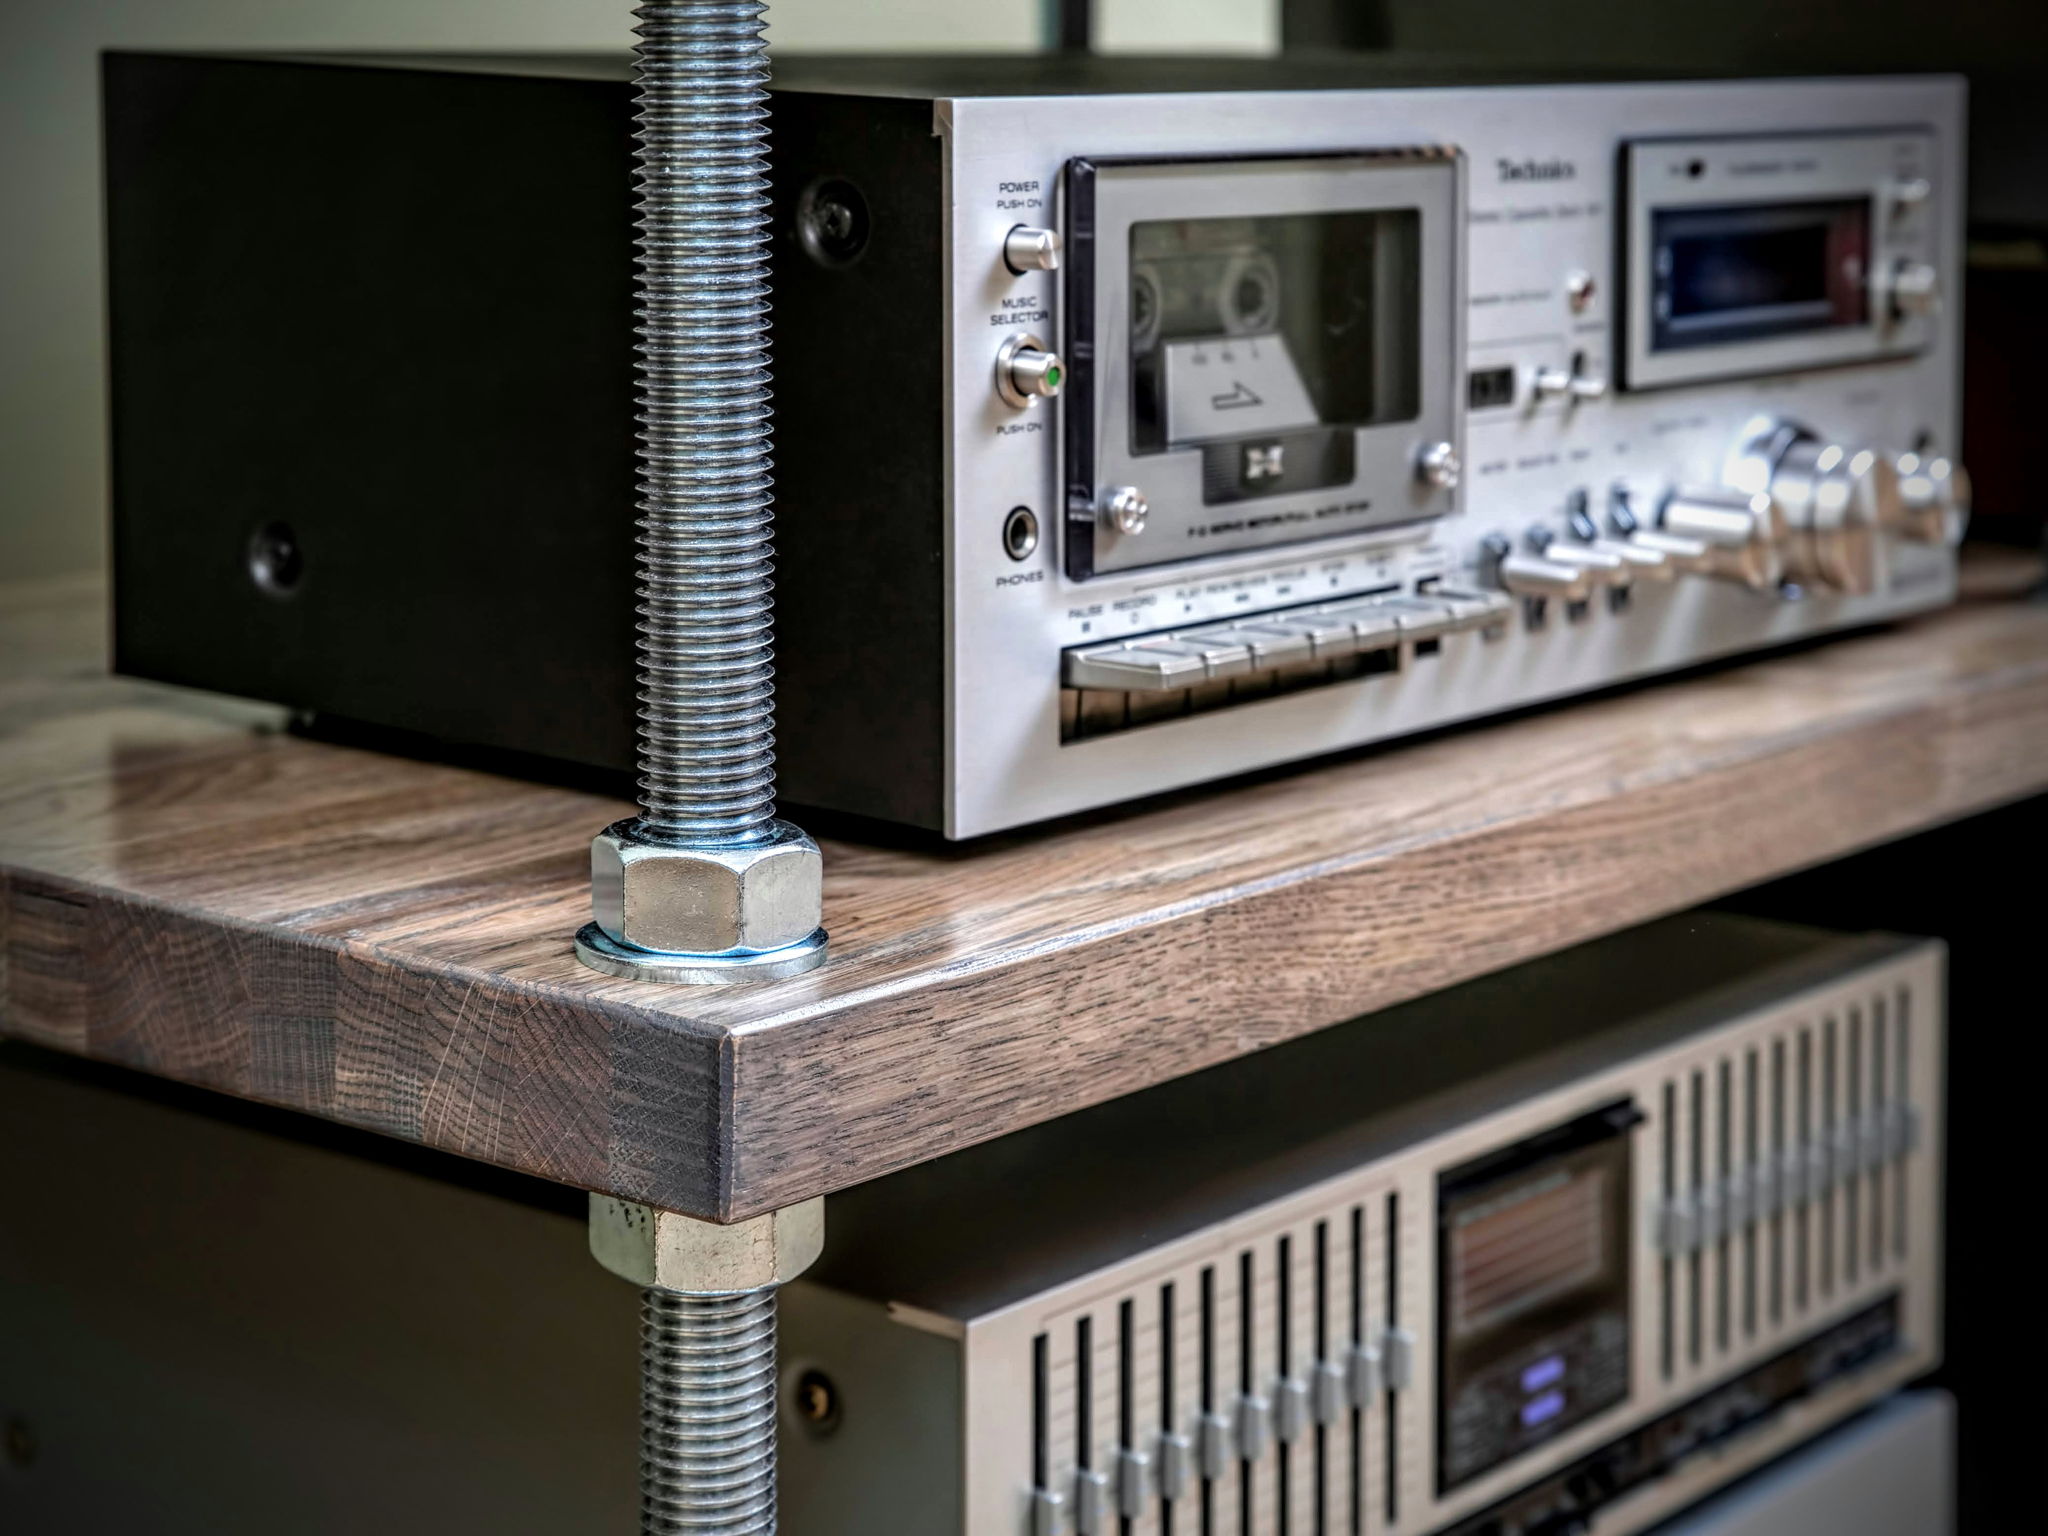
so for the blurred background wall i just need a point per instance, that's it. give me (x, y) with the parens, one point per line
(52, 424)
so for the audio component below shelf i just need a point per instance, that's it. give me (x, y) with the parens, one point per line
(1569, 1278)
(1128, 438)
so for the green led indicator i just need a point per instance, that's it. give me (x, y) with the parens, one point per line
(1052, 376)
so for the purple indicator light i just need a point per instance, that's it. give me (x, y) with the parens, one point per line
(1544, 1373)
(1539, 1410)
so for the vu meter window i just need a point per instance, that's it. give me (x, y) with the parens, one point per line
(1749, 271)
(1530, 1246)
(1252, 327)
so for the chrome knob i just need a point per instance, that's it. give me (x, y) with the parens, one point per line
(1027, 373)
(1914, 289)
(1741, 530)
(1438, 465)
(1537, 576)
(1835, 501)
(1026, 249)
(1934, 498)
(1126, 510)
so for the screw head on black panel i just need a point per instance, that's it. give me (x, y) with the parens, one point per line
(275, 560)
(832, 222)
(815, 1399)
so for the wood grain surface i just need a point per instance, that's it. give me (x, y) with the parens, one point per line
(187, 889)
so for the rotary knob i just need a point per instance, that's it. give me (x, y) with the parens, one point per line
(1026, 372)
(1742, 532)
(1836, 502)
(1934, 498)
(1914, 290)
(1439, 466)
(1026, 249)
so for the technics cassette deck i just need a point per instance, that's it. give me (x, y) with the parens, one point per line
(1139, 424)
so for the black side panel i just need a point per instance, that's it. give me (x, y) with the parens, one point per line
(859, 467)
(390, 311)
(386, 309)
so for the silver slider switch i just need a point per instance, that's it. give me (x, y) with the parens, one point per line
(1091, 1503)
(1329, 1391)
(1536, 576)
(1216, 1447)
(1397, 1355)
(1647, 563)
(1133, 1482)
(1176, 1461)
(1603, 569)
(1290, 1409)
(1254, 1427)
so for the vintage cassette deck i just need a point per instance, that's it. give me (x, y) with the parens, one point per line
(1139, 425)
(1670, 1206)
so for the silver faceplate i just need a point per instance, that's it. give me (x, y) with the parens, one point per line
(1542, 169)
(1786, 1177)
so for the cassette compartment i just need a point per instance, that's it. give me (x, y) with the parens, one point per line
(1264, 351)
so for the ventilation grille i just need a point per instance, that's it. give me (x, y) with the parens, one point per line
(1252, 1394)
(1782, 1165)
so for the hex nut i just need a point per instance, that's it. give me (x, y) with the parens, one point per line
(701, 1258)
(745, 898)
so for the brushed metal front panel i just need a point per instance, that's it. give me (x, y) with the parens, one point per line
(1543, 190)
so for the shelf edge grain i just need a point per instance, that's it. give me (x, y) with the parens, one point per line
(398, 981)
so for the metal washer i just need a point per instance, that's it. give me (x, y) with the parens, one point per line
(601, 952)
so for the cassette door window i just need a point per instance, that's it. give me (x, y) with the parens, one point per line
(1261, 351)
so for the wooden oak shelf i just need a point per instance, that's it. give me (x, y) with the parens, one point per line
(188, 890)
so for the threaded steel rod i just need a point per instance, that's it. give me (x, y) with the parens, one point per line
(707, 701)
(707, 1413)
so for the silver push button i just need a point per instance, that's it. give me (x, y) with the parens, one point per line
(1209, 653)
